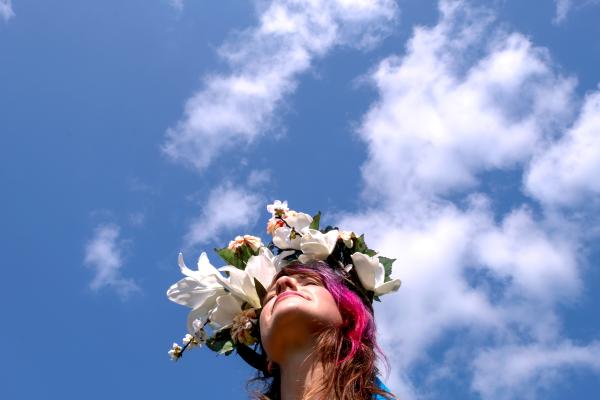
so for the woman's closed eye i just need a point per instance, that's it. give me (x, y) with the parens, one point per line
(268, 297)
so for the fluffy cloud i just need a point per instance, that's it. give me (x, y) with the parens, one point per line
(464, 100)
(103, 255)
(500, 370)
(226, 210)
(567, 172)
(442, 117)
(6, 10)
(265, 62)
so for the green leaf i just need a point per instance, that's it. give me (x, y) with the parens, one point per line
(244, 253)
(239, 257)
(227, 348)
(230, 257)
(387, 266)
(221, 342)
(361, 247)
(316, 221)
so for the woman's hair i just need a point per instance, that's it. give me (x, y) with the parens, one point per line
(347, 353)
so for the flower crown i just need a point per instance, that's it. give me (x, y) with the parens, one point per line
(226, 302)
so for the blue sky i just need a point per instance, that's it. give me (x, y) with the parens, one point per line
(463, 138)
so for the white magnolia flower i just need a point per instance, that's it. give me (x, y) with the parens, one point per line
(228, 307)
(199, 290)
(198, 285)
(241, 285)
(288, 237)
(278, 205)
(372, 274)
(262, 266)
(316, 245)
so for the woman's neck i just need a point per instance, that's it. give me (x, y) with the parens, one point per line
(300, 373)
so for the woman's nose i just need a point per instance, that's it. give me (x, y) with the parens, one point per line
(285, 283)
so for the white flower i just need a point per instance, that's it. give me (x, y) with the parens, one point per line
(278, 208)
(198, 290)
(241, 285)
(288, 237)
(316, 245)
(175, 352)
(372, 274)
(273, 224)
(262, 266)
(228, 307)
(193, 290)
(190, 341)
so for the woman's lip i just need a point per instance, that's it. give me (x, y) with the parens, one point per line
(285, 295)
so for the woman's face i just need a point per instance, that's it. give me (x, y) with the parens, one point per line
(295, 308)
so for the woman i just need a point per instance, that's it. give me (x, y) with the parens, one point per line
(299, 310)
(319, 337)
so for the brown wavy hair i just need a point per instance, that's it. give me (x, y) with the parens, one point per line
(348, 353)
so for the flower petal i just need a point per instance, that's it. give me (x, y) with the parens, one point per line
(316, 245)
(282, 239)
(203, 311)
(241, 285)
(368, 269)
(298, 220)
(261, 267)
(227, 308)
(206, 273)
(389, 286)
(189, 292)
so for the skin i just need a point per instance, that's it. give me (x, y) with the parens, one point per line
(295, 309)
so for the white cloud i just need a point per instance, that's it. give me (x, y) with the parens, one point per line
(567, 172)
(564, 7)
(439, 122)
(103, 255)
(265, 62)
(259, 177)
(6, 10)
(500, 370)
(464, 100)
(227, 210)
